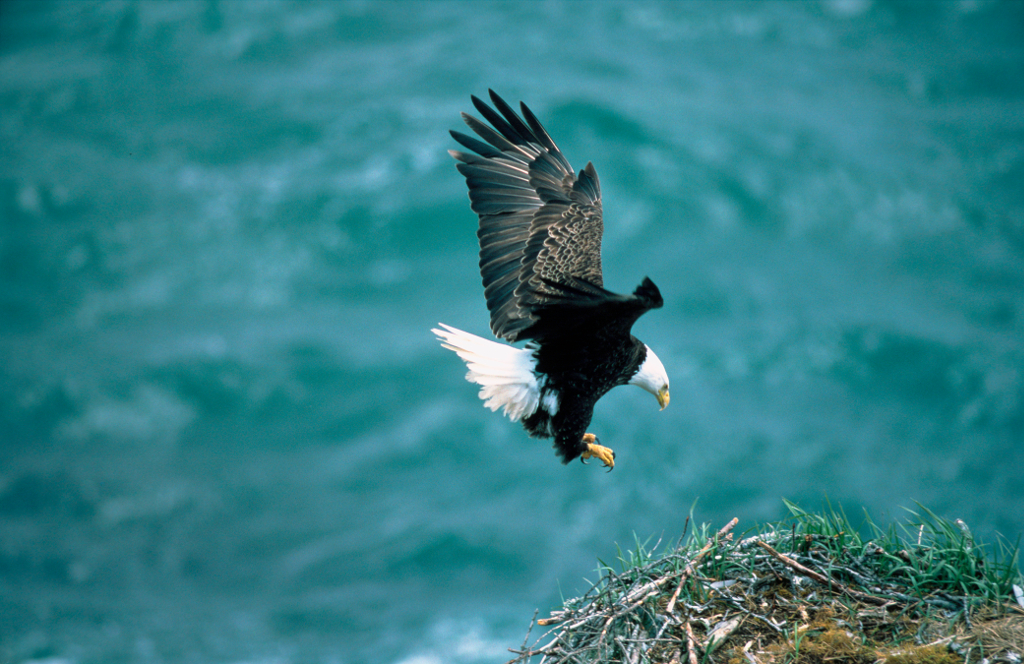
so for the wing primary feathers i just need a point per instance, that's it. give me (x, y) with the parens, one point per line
(540, 222)
(543, 136)
(493, 176)
(479, 147)
(517, 124)
(507, 147)
(498, 122)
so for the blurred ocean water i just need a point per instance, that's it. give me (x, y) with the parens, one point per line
(226, 433)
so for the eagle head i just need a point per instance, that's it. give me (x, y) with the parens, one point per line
(652, 377)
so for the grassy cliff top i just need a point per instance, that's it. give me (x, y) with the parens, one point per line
(809, 589)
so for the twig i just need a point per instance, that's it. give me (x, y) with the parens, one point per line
(532, 621)
(686, 524)
(822, 579)
(664, 625)
(607, 624)
(636, 648)
(644, 591)
(738, 605)
(675, 595)
(692, 564)
(691, 643)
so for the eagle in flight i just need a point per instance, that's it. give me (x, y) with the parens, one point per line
(540, 259)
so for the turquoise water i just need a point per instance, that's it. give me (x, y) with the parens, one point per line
(226, 229)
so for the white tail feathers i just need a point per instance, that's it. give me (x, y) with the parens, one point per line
(505, 373)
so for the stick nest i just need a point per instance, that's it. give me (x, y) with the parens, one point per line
(808, 590)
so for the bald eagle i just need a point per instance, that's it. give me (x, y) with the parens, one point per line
(540, 259)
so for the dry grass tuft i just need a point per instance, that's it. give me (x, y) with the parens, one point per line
(1001, 638)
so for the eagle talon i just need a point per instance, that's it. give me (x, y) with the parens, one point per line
(593, 449)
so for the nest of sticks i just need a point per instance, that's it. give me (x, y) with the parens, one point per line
(815, 591)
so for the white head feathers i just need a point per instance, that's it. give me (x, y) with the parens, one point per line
(652, 377)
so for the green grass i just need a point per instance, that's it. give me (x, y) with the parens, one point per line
(925, 554)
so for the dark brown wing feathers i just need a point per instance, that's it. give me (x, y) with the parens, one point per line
(540, 224)
(580, 305)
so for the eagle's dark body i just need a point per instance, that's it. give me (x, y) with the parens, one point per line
(585, 349)
(540, 259)
(580, 379)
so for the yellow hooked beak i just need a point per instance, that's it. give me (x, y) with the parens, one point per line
(662, 397)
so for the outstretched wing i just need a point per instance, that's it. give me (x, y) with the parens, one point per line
(540, 224)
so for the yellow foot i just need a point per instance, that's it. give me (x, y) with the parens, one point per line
(603, 453)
